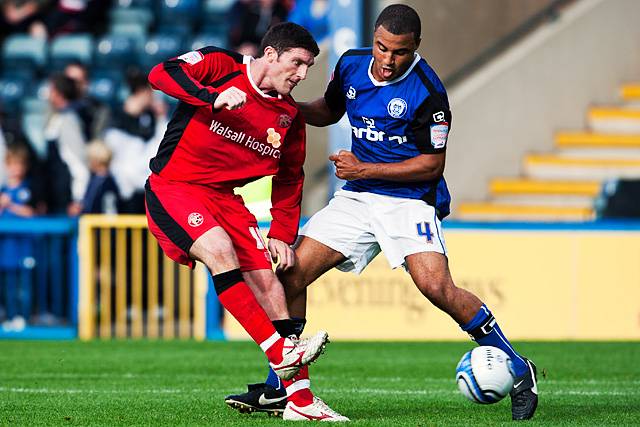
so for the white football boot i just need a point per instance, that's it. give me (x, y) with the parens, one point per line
(297, 353)
(316, 411)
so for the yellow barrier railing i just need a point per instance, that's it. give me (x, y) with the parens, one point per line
(129, 289)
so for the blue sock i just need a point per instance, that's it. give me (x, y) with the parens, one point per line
(484, 330)
(272, 379)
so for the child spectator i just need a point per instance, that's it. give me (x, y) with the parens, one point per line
(16, 252)
(102, 195)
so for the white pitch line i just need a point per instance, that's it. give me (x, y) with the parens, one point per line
(368, 391)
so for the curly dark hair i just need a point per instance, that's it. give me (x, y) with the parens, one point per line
(399, 19)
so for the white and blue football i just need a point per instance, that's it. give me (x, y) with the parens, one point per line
(485, 374)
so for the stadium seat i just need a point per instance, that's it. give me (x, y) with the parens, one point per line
(214, 15)
(33, 127)
(130, 15)
(159, 48)
(202, 40)
(12, 90)
(105, 89)
(174, 11)
(134, 3)
(78, 47)
(114, 51)
(24, 52)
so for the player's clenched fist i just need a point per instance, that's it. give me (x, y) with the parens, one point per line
(231, 98)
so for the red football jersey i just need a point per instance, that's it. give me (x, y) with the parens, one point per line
(223, 149)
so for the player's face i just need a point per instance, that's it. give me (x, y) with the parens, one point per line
(291, 68)
(392, 54)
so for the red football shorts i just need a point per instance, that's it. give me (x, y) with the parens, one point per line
(178, 213)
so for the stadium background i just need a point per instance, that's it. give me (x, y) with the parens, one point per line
(97, 327)
(546, 127)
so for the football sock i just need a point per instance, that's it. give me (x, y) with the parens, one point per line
(299, 388)
(286, 327)
(238, 299)
(484, 330)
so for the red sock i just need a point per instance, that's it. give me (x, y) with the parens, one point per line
(299, 388)
(240, 301)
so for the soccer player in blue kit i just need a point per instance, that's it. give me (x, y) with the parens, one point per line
(393, 201)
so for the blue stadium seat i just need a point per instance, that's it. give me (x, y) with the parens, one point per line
(202, 40)
(130, 15)
(159, 48)
(12, 90)
(134, 3)
(67, 48)
(105, 89)
(114, 51)
(174, 11)
(214, 15)
(20, 51)
(33, 127)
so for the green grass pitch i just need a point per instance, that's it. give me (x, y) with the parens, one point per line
(388, 384)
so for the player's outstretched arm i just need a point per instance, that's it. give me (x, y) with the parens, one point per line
(317, 113)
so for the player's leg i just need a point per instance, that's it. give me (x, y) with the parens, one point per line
(186, 230)
(410, 234)
(430, 273)
(271, 396)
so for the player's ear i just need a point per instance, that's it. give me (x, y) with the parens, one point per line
(271, 54)
(418, 42)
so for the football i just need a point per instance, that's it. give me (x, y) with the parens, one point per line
(485, 374)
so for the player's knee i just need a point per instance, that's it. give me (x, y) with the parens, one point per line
(220, 253)
(437, 290)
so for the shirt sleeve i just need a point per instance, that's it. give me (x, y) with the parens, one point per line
(286, 193)
(431, 125)
(333, 96)
(187, 76)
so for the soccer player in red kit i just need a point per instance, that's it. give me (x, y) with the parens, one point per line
(236, 122)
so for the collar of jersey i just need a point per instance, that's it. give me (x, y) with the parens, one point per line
(416, 58)
(247, 61)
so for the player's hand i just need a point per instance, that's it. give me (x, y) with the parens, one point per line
(231, 98)
(5, 200)
(347, 165)
(283, 253)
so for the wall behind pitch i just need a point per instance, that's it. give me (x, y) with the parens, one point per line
(539, 284)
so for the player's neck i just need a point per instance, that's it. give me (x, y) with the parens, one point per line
(258, 71)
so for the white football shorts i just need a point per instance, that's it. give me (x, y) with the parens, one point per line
(360, 225)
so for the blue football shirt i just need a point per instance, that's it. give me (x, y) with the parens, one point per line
(393, 121)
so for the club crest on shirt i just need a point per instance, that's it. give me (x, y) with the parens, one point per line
(273, 138)
(397, 107)
(195, 219)
(284, 121)
(351, 93)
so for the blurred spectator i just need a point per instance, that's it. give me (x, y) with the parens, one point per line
(134, 138)
(313, 15)
(102, 195)
(66, 169)
(11, 134)
(15, 192)
(16, 253)
(77, 16)
(93, 113)
(21, 16)
(250, 20)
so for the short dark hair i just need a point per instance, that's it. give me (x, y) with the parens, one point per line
(287, 35)
(399, 19)
(66, 86)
